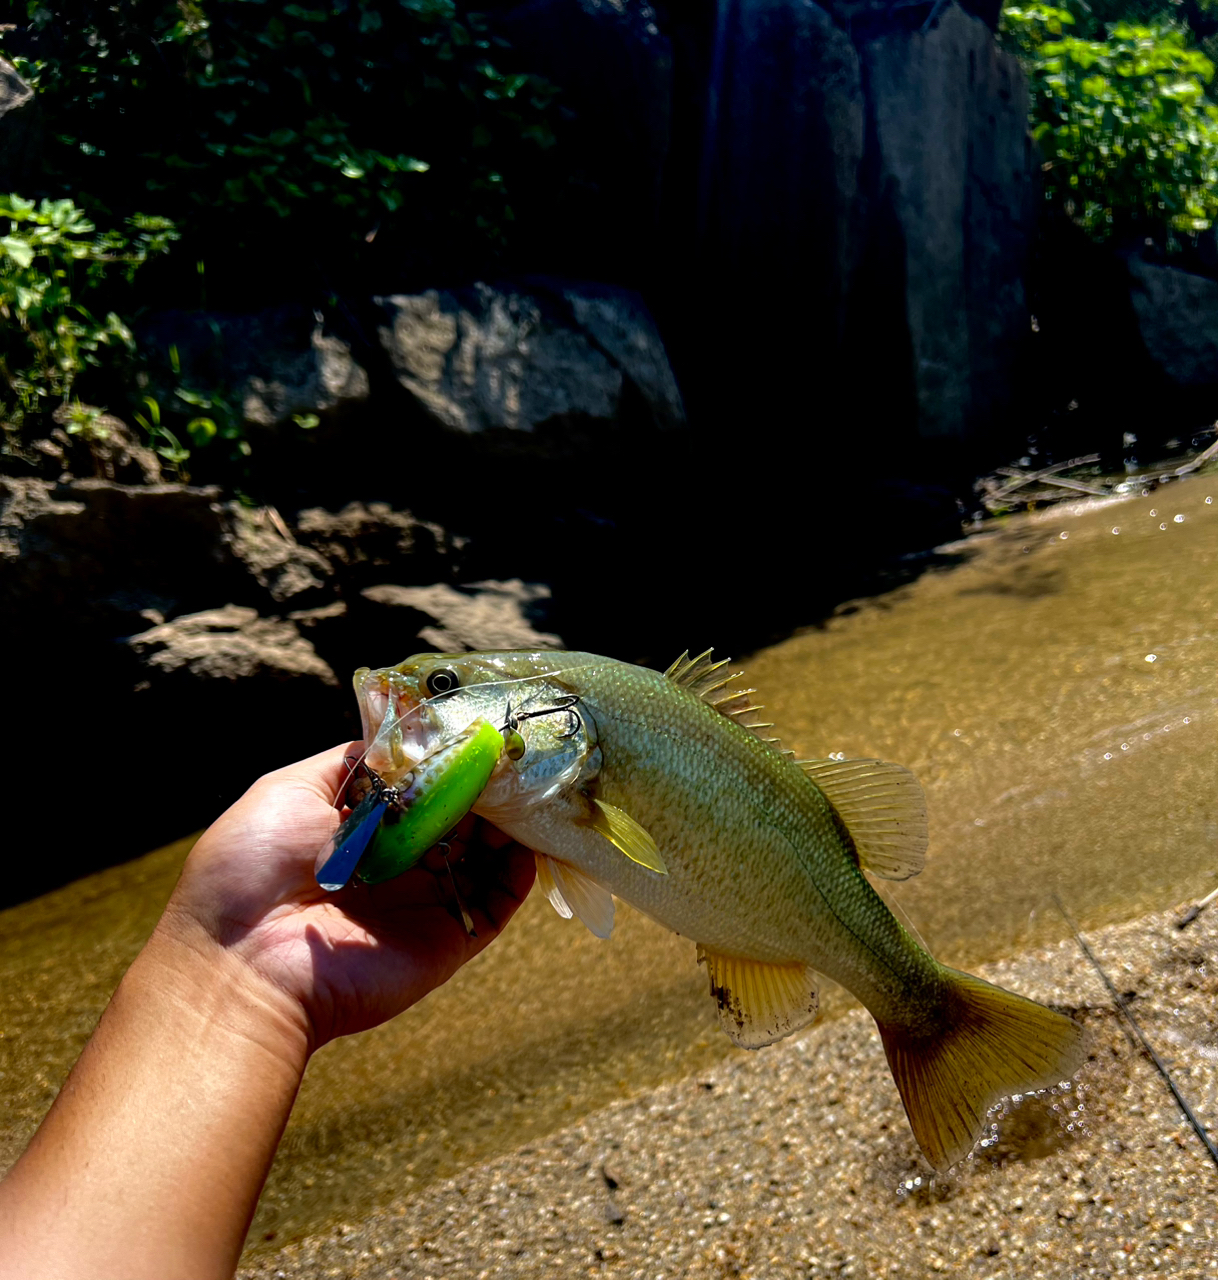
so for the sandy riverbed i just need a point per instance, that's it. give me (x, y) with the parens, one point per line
(797, 1161)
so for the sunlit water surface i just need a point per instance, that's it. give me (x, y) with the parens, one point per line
(1055, 689)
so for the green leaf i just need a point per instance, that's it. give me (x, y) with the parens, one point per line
(201, 430)
(21, 252)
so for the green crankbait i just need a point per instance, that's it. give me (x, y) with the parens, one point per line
(392, 827)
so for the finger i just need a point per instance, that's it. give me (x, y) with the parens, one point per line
(473, 834)
(325, 773)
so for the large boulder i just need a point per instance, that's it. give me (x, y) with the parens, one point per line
(861, 205)
(784, 144)
(515, 358)
(1177, 319)
(764, 213)
(955, 191)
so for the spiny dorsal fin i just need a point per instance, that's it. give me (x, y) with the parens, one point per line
(883, 808)
(709, 681)
(760, 1003)
(573, 893)
(627, 836)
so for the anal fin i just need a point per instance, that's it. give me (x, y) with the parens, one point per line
(572, 893)
(760, 1003)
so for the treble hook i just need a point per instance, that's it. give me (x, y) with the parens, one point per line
(466, 919)
(567, 703)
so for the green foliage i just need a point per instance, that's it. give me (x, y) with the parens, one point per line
(276, 133)
(53, 263)
(1129, 135)
(162, 439)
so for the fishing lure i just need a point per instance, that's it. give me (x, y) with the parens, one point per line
(391, 828)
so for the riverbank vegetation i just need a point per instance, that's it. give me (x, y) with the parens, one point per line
(1121, 107)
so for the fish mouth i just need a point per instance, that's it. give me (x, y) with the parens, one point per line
(399, 729)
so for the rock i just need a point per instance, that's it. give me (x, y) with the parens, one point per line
(322, 379)
(784, 144)
(1177, 319)
(863, 15)
(90, 557)
(232, 643)
(113, 450)
(259, 538)
(955, 190)
(268, 368)
(20, 131)
(515, 358)
(767, 223)
(480, 615)
(363, 539)
(617, 322)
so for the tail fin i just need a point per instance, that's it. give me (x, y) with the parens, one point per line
(992, 1043)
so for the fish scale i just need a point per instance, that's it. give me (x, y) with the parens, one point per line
(659, 789)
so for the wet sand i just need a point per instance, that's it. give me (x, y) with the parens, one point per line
(796, 1161)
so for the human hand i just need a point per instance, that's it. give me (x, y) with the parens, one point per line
(336, 963)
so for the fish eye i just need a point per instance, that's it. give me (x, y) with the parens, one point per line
(442, 681)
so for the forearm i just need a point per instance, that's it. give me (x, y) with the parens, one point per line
(151, 1160)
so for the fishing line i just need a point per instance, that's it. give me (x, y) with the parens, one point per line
(1123, 1007)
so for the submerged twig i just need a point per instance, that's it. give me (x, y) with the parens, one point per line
(1123, 1008)
(1026, 477)
(1193, 464)
(1000, 495)
(1196, 909)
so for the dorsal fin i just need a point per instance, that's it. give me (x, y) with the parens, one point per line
(883, 808)
(707, 679)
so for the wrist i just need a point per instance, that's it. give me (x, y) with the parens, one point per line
(151, 1160)
(202, 983)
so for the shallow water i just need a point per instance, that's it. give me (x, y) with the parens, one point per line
(1015, 680)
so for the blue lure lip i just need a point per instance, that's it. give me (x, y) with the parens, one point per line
(341, 853)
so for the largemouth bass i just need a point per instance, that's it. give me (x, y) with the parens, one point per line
(662, 789)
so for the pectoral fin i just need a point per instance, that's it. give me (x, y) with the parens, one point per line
(572, 893)
(760, 1003)
(621, 830)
